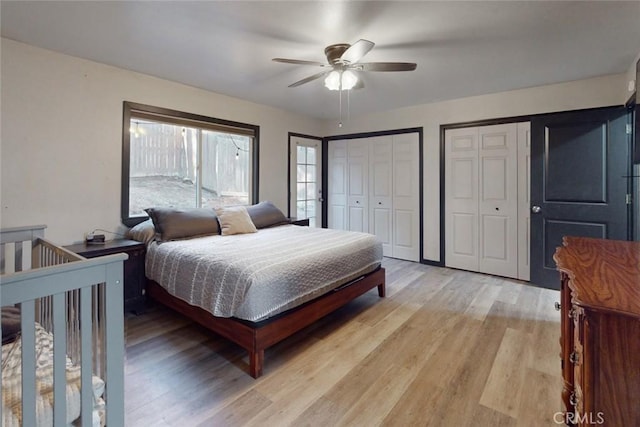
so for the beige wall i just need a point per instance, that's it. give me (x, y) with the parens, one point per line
(61, 137)
(596, 92)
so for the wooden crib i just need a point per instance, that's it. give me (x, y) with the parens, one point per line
(77, 305)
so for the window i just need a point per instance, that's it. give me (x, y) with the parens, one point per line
(182, 160)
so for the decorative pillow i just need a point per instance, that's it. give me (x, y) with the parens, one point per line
(144, 232)
(235, 220)
(10, 323)
(172, 224)
(265, 214)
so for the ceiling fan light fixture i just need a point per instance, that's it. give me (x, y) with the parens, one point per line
(341, 80)
(349, 80)
(332, 81)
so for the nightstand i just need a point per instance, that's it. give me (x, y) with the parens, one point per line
(134, 277)
(303, 221)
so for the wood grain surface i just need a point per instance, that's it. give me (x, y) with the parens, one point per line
(444, 348)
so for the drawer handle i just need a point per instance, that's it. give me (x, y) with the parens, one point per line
(573, 399)
(574, 357)
(557, 306)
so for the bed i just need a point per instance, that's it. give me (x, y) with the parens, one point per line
(63, 334)
(259, 287)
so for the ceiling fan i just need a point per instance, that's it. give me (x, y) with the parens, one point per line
(343, 63)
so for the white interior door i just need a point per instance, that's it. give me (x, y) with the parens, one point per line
(406, 197)
(358, 185)
(461, 198)
(381, 191)
(306, 189)
(498, 200)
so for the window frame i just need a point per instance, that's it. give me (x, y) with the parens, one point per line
(188, 119)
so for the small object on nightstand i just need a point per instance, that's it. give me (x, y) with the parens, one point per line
(302, 221)
(134, 277)
(95, 239)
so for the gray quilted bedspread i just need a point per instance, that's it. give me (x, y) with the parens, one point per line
(255, 276)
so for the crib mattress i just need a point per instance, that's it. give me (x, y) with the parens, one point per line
(257, 275)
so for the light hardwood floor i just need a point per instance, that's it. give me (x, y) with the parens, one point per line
(444, 348)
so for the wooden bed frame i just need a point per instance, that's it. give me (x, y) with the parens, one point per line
(255, 337)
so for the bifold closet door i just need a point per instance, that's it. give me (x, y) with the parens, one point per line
(498, 199)
(461, 199)
(406, 197)
(358, 185)
(381, 191)
(481, 199)
(337, 191)
(374, 187)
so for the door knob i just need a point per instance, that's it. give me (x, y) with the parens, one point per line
(536, 209)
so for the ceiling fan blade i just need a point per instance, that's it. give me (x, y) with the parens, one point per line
(308, 79)
(357, 51)
(299, 62)
(387, 66)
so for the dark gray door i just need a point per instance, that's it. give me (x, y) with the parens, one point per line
(579, 161)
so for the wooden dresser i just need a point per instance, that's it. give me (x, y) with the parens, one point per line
(600, 331)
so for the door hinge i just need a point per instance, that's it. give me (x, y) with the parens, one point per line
(629, 129)
(628, 198)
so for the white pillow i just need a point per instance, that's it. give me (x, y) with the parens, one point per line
(235, 220)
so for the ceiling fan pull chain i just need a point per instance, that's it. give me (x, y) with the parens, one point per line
(340, 98)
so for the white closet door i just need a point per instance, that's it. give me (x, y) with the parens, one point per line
(358, 185)
(406, 198)
(498, 204)
(337, 192)
(524, 198)
(461, 198)
(380, 191)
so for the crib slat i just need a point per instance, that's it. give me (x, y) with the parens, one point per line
(86, 361)
(3, 248)
(18, 257)
(59, 360)
(114, 334)
(27, 324)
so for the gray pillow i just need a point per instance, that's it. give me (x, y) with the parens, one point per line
(10, 323)
(265, 214)
(172, 224)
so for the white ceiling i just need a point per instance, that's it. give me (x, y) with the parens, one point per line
(461, 48)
